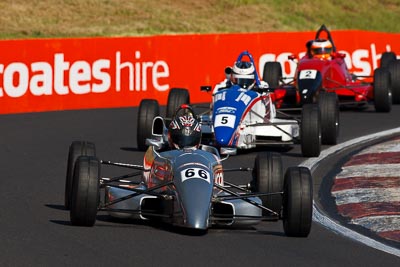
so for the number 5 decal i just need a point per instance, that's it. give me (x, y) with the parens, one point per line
(226, 120)
(191, 173)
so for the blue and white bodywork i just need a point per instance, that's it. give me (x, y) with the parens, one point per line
(244, 118)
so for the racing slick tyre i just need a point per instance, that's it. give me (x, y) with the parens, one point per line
(148, 110)
(85, 191)
(329, 108)
(176, 97)
(272, 73)
(297, 202)
(387, 57)
(394, 69)
(76, 149)
(268, 178)
(310, 130)
(382, 90)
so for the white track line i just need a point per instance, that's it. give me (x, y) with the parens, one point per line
(320, 217)
(360, 195)
(379, 223)
(371, 170)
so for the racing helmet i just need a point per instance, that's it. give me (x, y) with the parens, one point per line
(243, 74)
(321, 48)
(184, 129)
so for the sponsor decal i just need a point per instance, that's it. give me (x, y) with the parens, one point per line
(219, 175)
(79, 77)
(229, 110)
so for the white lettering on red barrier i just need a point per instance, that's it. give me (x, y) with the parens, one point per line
(80, 77)
(138, 73)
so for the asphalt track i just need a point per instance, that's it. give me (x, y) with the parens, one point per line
(35, 228)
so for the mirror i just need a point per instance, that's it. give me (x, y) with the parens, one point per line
(157, 144)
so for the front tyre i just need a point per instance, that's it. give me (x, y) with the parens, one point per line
(310, 130)
(76, 149)
(297, 202)
(394, 69)
(176, 97)
(268, 178)
(329, 108)
(387, 58)
(148, 110)
(272, 74)
(85, 191)
(382, 90)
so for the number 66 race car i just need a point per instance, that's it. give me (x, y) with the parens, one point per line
(187, 187)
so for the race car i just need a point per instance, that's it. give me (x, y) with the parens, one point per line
(323, 71)
(183, 183)
(243, 118)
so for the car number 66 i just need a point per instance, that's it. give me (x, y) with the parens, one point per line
(192, 173)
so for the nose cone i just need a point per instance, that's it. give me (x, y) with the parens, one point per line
(197, 213)
(194, 182)
(223, 135)
(196, 203)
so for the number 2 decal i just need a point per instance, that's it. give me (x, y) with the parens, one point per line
(191, 173)
(307, 74)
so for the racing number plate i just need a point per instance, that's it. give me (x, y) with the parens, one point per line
(307, 74)
(226, 120)
(195, 173)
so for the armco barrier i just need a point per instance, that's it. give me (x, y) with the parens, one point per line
(80, 73)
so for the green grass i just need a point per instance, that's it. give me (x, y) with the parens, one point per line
(86, 18)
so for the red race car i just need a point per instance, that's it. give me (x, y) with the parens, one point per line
(322, 77)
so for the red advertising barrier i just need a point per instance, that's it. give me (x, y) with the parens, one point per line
(61, 74)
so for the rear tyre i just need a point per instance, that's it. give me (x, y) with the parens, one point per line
(268, 178)
(76, 149)
(382, 90)
(387, 57)
(272, 73)
(297, 202)
(148, 110)
(85, 191)
(329, 108)
(394, 69)
(176, 97)
(310, 130)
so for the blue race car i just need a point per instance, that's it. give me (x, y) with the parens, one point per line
(243, 116)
